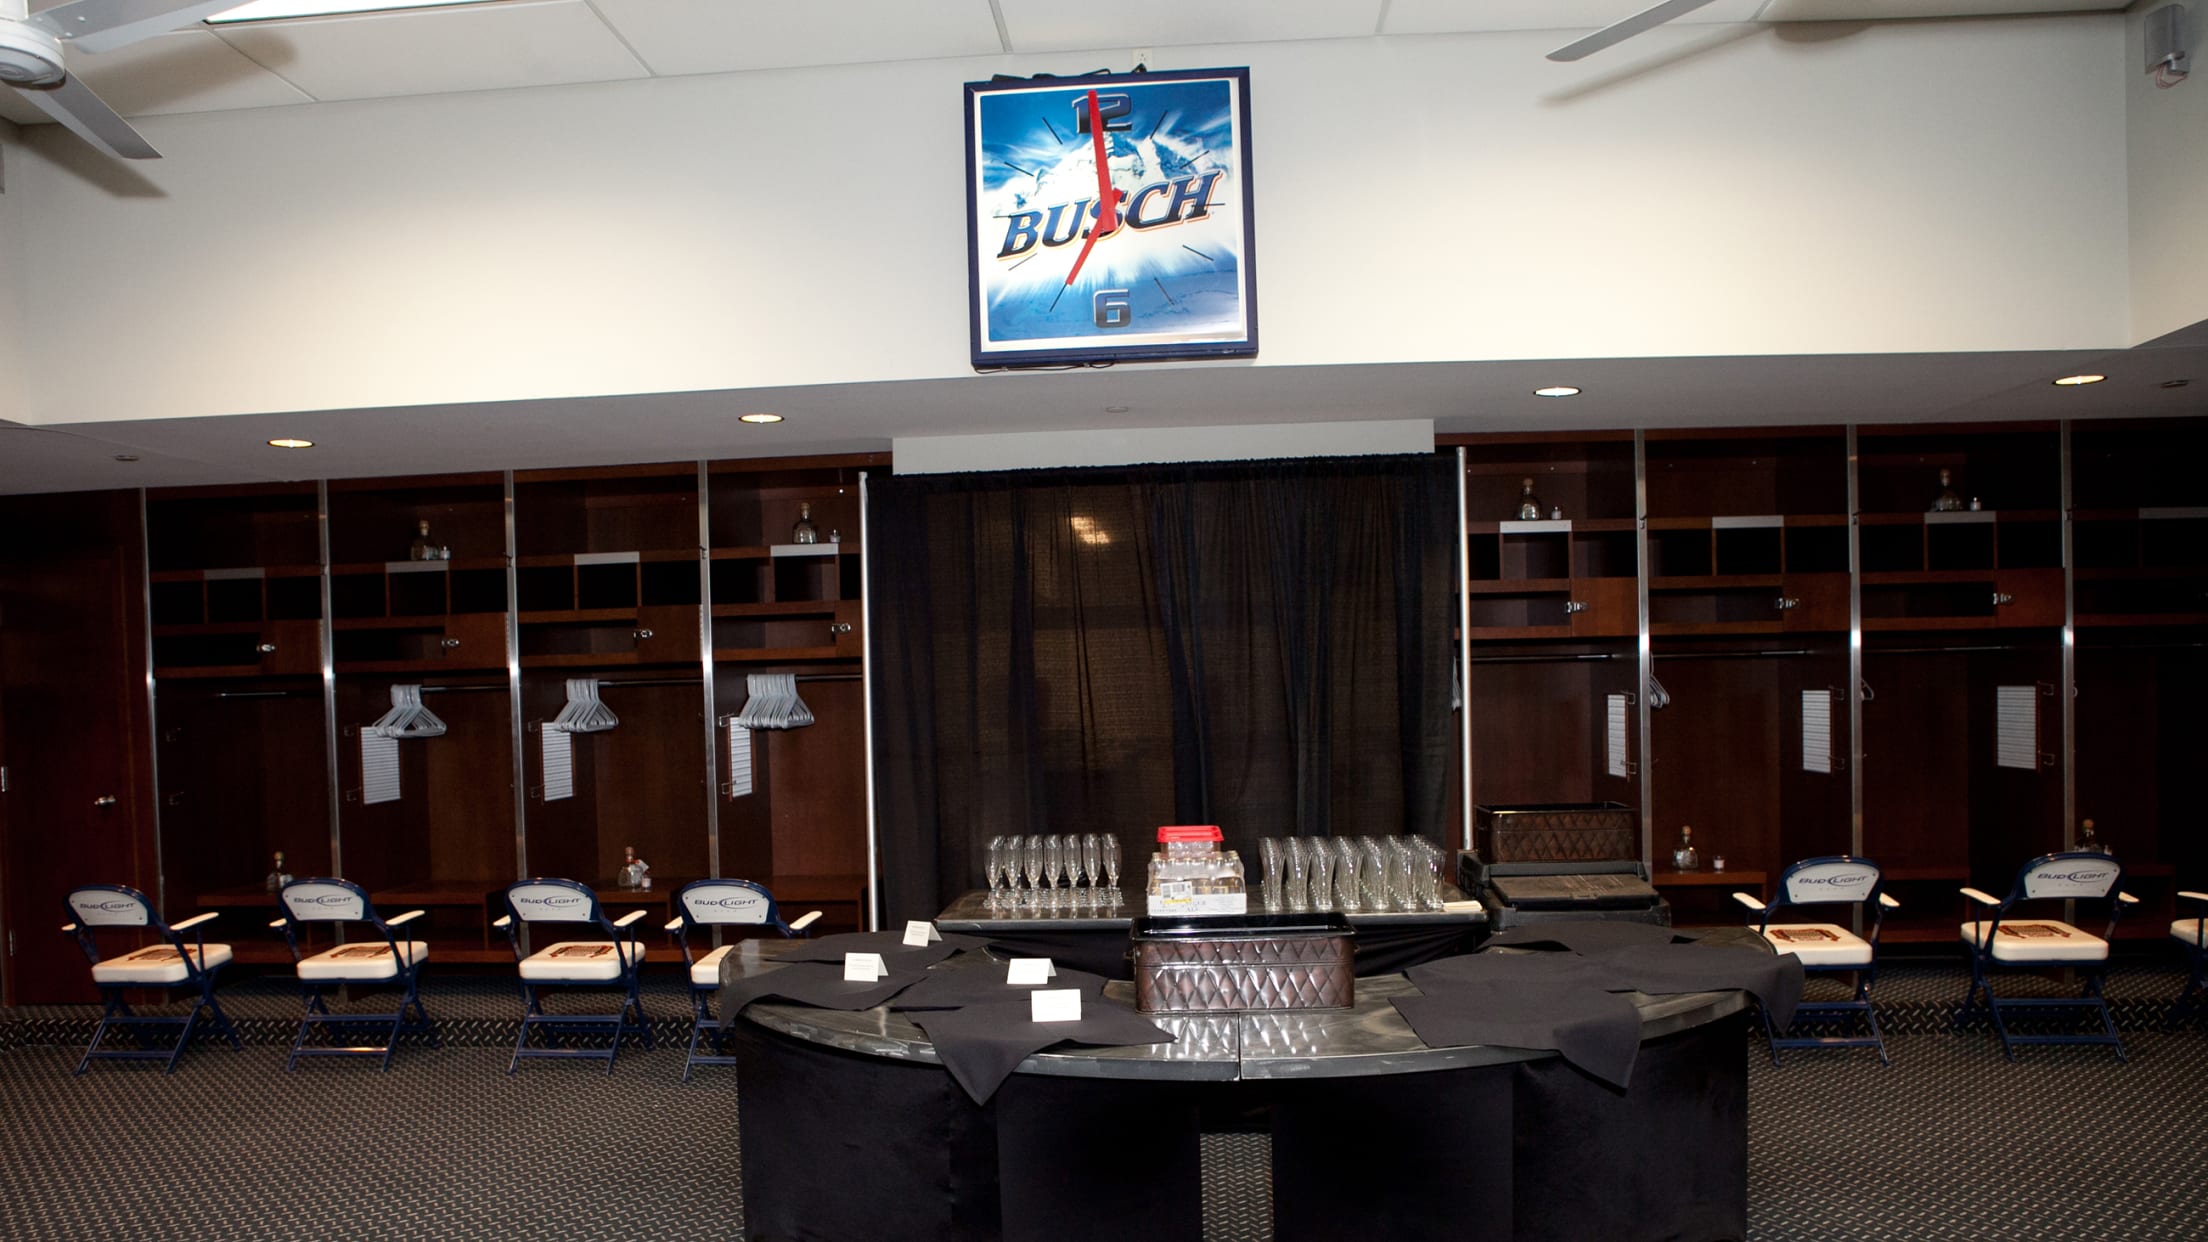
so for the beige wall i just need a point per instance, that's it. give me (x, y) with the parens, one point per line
(1902, 187)
(13, 380)
(2166, 141)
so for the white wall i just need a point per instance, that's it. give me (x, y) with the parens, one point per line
(14, 383)
(2166, 133)
(1907, 187)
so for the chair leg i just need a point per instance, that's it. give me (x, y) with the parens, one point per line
(183, 1037)
(2001, 1028)
(116, 1006)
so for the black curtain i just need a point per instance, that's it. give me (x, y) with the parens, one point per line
(1259, 645)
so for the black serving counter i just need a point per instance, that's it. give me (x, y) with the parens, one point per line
(851, 1129)
(1386, 942)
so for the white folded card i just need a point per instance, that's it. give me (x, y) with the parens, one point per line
(1029, 972)
(863, 968)
(1055, 1005)
(919, 933)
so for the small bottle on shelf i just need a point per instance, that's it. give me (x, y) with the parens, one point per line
(2090, 844)
(631, 875)
(422, 549)
(277, 876)
(1947, 501)
(1529, 505)
(804, 531)
(1684, 858)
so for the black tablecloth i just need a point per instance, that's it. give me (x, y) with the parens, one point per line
(1381, 948)
(1598, 1031)
(896, 954)
(982, 1044)
(952, 985)
(817, 984)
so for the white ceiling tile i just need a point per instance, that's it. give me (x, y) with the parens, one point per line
(721, 36)
(1059, 26)
(432, 51)
(1407, 17)
(187, 71)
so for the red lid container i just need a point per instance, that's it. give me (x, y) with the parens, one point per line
(1177, 833)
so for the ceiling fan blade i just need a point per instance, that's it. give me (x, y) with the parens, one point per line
(1646, 19)
(88, 117)
(104, 25)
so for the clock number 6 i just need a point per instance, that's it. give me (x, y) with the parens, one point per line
(1112, 309)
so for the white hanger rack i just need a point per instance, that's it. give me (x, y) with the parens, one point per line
(407, 717)
(585, 712)
(773, 703)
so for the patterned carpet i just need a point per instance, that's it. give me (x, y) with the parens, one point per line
(1950, 1142)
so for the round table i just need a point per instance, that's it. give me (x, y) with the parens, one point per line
(851, 1129)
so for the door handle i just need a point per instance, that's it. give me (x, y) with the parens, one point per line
(2002, 597)
(448, 643)
(640, 635)
(1573, 605)
(1785, 602)
(103, 802)
(267, 649)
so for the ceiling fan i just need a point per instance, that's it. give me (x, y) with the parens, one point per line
(1618, 32)
(31, 58)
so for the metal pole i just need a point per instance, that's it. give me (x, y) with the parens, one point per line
(705, 663)
(153, 715)
(336, 778)
(1464, 646)
(520, 772)
(2069, 658)
(866, 666)
(1855, 658)
(1647, 646)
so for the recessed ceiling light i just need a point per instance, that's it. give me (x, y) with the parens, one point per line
(274, 10)
(1115, 409)
(1556, 390)
(2078, 381)
(759, 418)
(290, 443)
(2175, 383)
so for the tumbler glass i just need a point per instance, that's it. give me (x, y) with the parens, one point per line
(1269, 849)
(1372, 878)
(1297, 895)
(1322, 874)
(1346, 894)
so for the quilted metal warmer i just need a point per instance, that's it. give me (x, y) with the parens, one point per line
(1235, 962)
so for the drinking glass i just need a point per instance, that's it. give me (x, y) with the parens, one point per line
(1322, 874)
(989, 867)
(1429, 878)
(1298, 895)
(1031, 865)
(1399, 875)
(1111, 865)
(1372, 877)
(1092, 862)
(1345, 876)
(1269, 850)
(1054, 866)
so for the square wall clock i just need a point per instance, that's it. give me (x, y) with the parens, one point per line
(1108, 218)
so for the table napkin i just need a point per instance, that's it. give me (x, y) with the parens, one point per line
(890, 944)
(817, 984)
(982, 1044)
(1598, 1031)
(1586, 935)
(954, 986)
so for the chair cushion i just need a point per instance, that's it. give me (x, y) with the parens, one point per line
(361, 962)
(157, 963)
(706, 971)
(1819, 944)
(577, 960)
(2038, 940)
(2187, 930)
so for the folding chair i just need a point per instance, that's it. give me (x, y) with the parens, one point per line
(167, 965)
(1827, 948)
(2193, 934)
(370, 963)
(720, 903)
(2005, 941)
(602, 964)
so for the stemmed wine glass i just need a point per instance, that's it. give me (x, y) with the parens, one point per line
(1054, 866)
(1031, 865)
(1092, 862)
(1111, 865)
(991, 857)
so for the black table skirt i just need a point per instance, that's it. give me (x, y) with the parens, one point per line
(840, 1145)
(1382, 948)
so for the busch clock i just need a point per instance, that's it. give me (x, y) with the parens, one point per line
(1108, 218)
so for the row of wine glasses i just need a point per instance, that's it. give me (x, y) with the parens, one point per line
(1351, 874)
(1088, 863)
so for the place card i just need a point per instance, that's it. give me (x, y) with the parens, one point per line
(1055, 1005)
(920, 933)
(864, 968)
(1029, 972)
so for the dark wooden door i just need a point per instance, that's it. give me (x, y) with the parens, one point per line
(72, 800)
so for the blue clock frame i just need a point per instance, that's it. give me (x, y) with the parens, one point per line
(1172, 271)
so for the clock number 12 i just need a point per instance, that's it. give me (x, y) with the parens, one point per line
(1116, 110)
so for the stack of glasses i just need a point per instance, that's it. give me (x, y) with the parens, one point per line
(1088, 863)
(1351, 874)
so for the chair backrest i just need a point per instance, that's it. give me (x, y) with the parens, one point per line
(703, 902)
(112, 905)
(325, 899)
(547, 900)
(1835, 878)
(2070, 875)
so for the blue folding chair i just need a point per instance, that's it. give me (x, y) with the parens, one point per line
(1996, 938)
(2193, 934)
(703, 904)
(383, 961)
(169, 964)
(611, 963)
(1827, 948)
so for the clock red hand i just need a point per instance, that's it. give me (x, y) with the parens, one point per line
(1107, 195)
